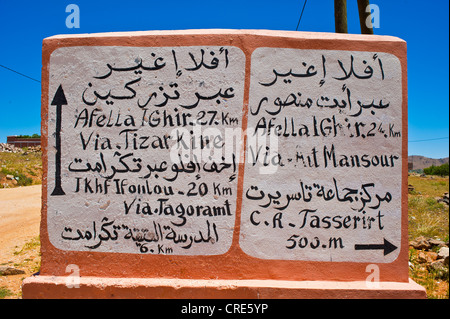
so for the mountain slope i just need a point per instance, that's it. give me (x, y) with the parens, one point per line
(421, 162)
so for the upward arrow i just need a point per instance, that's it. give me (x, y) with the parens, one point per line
(59, 100)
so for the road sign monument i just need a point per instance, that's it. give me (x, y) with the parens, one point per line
(224, 164)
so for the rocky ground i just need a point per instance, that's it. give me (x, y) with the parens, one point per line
(20, 167)
(8, 148)
(432, 253)
(429, 233)
(429, 265)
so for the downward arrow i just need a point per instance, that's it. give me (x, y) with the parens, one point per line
(59, 100)
(387, 247)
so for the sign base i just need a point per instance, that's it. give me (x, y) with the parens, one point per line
(60, 287)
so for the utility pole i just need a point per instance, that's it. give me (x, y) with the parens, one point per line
(364, 16)
(340, 16)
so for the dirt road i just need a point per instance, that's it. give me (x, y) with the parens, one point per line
(20, 213)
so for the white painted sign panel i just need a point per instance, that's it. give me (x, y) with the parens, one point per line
(322, 178)
(136, 154)
(143, 152)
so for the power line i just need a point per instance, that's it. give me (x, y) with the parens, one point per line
(430, 139)
(20, 73)
(301, 15)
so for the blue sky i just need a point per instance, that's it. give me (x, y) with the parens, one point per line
(424, 25)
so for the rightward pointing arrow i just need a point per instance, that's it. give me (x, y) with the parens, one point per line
(386, 246)
(59, 100)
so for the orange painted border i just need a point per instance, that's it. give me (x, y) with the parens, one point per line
(234, 264)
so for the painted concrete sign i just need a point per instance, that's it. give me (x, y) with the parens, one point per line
(225, 154)
(134, 167)
(139, 163)
(330, 189)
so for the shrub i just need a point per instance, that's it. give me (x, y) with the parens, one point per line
(21, 179)
(442, 170)
(29, 136)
